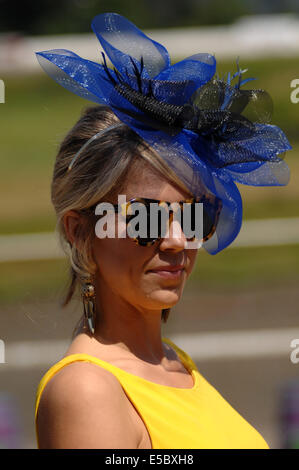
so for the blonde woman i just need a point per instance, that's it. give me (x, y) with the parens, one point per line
(120, 384)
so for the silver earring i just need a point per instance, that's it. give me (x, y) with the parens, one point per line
(88, 297)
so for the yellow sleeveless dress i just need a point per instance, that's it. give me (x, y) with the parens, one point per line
(176, 418)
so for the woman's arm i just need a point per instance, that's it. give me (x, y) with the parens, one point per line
(84, 407)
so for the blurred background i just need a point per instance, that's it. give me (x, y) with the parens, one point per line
(239, 312)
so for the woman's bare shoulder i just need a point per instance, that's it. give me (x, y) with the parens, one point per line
(86, 377)
(84, 406)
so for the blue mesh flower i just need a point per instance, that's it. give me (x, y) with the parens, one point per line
(211, 132)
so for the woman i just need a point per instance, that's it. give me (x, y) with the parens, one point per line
(134, 389)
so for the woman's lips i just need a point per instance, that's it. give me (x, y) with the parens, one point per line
(168, 273)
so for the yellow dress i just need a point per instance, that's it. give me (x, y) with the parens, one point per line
(177, 418)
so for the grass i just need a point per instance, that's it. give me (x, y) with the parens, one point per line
(31, 280)
(248, 267)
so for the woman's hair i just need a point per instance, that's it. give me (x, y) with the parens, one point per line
(100, 174)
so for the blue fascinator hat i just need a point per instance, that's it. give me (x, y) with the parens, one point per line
(209, 130)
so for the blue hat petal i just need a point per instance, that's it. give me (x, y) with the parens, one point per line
(267, 140)
(255, 160)
(173, 92)
(83, 77)
(122, 40)
(261, 174)
(211, 133)
(230, 220)
(196, 70)
(262, 155)
(265, 143)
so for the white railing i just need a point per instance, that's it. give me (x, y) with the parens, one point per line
(254, 36)
(265, 232)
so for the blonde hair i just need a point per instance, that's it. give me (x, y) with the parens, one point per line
(100, 173)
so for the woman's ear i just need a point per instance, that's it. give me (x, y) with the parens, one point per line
(72, 223)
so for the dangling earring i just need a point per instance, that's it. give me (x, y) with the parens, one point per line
(88, 296)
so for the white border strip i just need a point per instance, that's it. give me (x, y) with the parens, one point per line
(221, 345)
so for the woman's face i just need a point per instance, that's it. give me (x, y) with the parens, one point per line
(128, 270)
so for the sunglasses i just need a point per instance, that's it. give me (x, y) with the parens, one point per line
(185, 209)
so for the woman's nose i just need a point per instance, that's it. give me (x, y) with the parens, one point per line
(174, 239)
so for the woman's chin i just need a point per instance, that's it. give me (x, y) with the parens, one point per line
(167, 298)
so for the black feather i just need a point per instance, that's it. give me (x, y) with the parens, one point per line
(169, 114)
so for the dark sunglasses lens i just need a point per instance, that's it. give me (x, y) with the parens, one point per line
(211, 213)
(155, 225)
(208, 224)
(146, 227)
(188, 220)
(156, 221)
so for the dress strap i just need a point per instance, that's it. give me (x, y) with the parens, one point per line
(182, 354)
